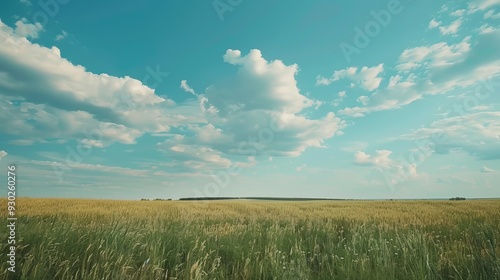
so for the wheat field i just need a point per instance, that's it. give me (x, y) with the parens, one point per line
(243, 239)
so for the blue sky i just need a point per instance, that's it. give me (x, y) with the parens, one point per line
(169, 99)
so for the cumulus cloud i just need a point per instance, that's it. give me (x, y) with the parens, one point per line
(259, 84)
(256, 112)
(26, 29)
(43, 95)
(367, 77)
(259, 110)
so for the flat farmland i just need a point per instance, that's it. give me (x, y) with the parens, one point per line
(245, 239)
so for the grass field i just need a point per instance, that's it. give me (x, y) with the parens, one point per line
(100, 239)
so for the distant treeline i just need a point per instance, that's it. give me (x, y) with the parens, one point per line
(257, 198)
(277, 198)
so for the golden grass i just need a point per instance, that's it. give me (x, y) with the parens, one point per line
(106, 239)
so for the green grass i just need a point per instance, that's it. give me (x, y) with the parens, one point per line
(91, 239)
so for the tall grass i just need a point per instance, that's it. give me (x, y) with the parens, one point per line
(94, 239)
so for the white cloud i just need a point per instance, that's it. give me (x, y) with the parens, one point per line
(441, 67)
(43, 95)
(380, 159)
(394, 172)
(56, 51)
(452, 28)
(458, 13)
(406, 66)
(477, 5)
(477, 134)
(2, 154)
(396, 81)
(263, 99)
(186, 87)
(435, 55)
(192, 157)
(367, 77)
(491, 14)
(363, 99)
(443, 9)
(257, 112)
(485, 28)
(259, 85)
(485, 169)
(61, 36)
(434, 23)
(26, 29)
(341, 96)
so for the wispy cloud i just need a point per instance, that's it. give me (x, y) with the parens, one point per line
(2, 154)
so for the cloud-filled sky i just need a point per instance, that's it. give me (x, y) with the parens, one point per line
(169, 99)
